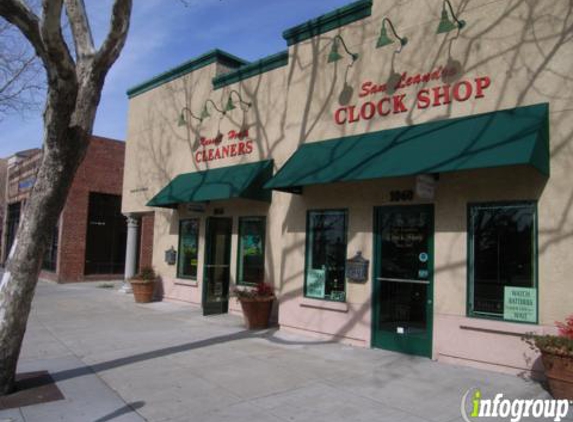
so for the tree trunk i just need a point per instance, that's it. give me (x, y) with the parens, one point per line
(74, 90)
(62, 155)
(68, 123)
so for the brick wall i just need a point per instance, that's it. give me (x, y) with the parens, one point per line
(146, 243)
(102, 172)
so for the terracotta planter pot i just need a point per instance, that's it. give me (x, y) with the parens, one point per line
(559, 373)
(257, 312)
(143, 290)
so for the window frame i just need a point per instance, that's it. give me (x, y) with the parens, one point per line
(262, 218)
(307, 249)
(179, 275)
(533, 204)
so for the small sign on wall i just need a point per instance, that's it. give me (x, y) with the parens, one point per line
(194, 207)
(315, 283)
(425, 186)
(520, 304)
(171, 256)
(357, 269)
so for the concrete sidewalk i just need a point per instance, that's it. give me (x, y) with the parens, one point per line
(115, 360)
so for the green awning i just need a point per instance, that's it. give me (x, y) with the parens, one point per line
(240, 181)
(502, 138)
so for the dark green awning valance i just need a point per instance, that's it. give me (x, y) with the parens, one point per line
(502, 138)
(240, 181)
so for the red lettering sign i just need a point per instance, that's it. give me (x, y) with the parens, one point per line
(212, 149)
(437, 96)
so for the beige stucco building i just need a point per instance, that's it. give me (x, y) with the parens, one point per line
(444, 159)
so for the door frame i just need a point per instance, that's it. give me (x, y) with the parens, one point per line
(208, 221)
(376, 267)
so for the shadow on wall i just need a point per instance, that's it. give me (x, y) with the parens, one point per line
(525, 16)
(530, 13)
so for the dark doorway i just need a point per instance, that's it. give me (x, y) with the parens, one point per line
(106, 235)
(217, 266)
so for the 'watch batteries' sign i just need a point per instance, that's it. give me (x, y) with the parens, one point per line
(520, 304)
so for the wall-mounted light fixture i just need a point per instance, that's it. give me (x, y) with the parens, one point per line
(446, 25)
(182, 121)
(334, 55)
(231, 106)
(384, 39)
(205, 113)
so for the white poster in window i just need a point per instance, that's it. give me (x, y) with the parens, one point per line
(520, 304)
(315, 283)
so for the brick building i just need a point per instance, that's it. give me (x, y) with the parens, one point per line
(89, 240)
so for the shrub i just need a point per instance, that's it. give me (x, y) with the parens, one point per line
(566, 328)
(146, 274)
(561, 345)
(260, 291)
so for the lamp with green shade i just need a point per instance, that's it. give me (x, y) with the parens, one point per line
(384, 39)
(446, 25)
(230, 106)
(334, 55)
(205, 113)
(182, 121)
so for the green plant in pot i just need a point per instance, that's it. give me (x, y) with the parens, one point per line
(143, 285)
(557, 356)
(256, 303)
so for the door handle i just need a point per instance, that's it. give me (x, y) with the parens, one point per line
(403, 280)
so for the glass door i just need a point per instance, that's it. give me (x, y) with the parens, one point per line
(217, 266)
(403, 272)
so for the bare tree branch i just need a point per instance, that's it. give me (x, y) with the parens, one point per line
(82, 34)
(20, 15)
(56, 47)
(21, 77)
(113, 44)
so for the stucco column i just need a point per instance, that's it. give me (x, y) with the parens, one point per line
(130, 252)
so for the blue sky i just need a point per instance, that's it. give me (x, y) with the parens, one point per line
(165, 33)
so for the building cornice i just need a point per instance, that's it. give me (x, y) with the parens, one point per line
(213, 56)
(329, 21)
(252, 69)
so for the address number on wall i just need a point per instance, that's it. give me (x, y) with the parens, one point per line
(401, 195)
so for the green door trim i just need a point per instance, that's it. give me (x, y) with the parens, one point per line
(427, 352)
(225, 306)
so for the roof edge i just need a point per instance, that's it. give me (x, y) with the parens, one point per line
(329, 21)
(213, 56)
(258, 67)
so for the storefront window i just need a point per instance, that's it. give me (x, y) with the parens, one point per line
(326, 255)
(503, 261)
(188, 246)
(251, 258)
